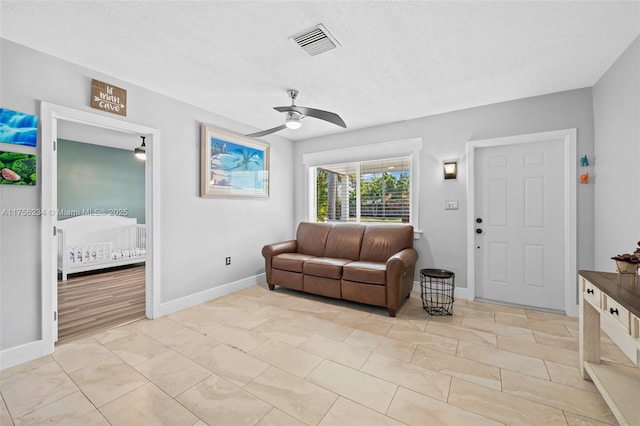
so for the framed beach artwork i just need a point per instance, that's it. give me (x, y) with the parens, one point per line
(233, 165)
(18, 128)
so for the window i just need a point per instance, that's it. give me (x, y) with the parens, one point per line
(375, 183)
(367, 191)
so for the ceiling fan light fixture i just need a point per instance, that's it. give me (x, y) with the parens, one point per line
(293, 121)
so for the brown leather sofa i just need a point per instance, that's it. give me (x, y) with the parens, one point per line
(372, 264)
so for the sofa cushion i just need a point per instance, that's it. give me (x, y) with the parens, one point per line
(344, 241)
(365, 272)
(364, 293)
(322, 286)
(289, 261)
(312, 237)
(380, 242)
(324, 267)
(288, 279)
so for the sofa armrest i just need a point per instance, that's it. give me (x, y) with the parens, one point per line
(275, 249)
(400, 271)
(402, 260)
(271, 250)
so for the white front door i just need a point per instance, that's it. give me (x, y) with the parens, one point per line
(519, 223)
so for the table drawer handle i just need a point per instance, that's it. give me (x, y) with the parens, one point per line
(589, 291)
(613, 311)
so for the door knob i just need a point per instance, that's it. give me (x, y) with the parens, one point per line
(478, 231)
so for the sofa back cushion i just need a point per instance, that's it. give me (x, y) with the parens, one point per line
(344, 241)
(380, 242)
(312, 237)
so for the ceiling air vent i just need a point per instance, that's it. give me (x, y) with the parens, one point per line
(316, 40)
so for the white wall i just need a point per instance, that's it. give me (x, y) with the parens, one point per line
(197, 233)
(616, 110)
(444, 136)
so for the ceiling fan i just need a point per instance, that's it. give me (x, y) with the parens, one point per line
(296, 113)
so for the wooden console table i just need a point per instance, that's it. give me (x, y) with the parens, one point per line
(618, 384)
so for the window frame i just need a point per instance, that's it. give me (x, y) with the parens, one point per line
(401, 148)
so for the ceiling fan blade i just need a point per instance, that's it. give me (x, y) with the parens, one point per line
(267, 132)
(331, 117)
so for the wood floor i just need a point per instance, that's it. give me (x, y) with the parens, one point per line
(93, 302)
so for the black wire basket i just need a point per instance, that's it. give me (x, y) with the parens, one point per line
(436, 290)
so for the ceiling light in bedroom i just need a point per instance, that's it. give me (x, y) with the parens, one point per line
(141, 151)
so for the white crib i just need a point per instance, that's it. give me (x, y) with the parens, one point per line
(91, 242)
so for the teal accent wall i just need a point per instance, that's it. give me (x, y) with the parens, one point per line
(99, 179)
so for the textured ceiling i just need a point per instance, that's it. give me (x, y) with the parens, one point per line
(398, 59)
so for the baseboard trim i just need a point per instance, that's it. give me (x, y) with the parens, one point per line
(24, 353)
(176, 305)
(463, 293)
(572, 310)
(458, 292)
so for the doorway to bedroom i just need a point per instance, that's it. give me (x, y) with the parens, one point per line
(101, 231)
(56, 122)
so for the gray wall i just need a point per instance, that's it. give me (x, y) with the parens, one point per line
(616, 109)
(196, 233)
(445, 136)
(95, 178)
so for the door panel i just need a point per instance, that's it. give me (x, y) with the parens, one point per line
(534, 200)
(498, 213)
(534, 265)
(520, 198)
(498, 262)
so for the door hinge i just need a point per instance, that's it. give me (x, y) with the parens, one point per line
(54, 145)
(55, 315)
(55, 231)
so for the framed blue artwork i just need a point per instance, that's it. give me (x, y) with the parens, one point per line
(233, 165)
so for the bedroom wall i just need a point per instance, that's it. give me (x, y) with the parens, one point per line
(196, 233)
(445, 136)
(95, 178)
(616, 110)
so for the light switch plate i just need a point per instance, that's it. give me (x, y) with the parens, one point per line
(451, 205)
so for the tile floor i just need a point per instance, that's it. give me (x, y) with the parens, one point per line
(286, 358)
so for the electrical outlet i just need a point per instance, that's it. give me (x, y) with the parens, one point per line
(451, 205)
(227, 261)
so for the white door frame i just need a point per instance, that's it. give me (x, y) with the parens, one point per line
(568, 137)
(49, 115)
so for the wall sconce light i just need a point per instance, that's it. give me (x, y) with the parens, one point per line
(141, 151)
(450, 170)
